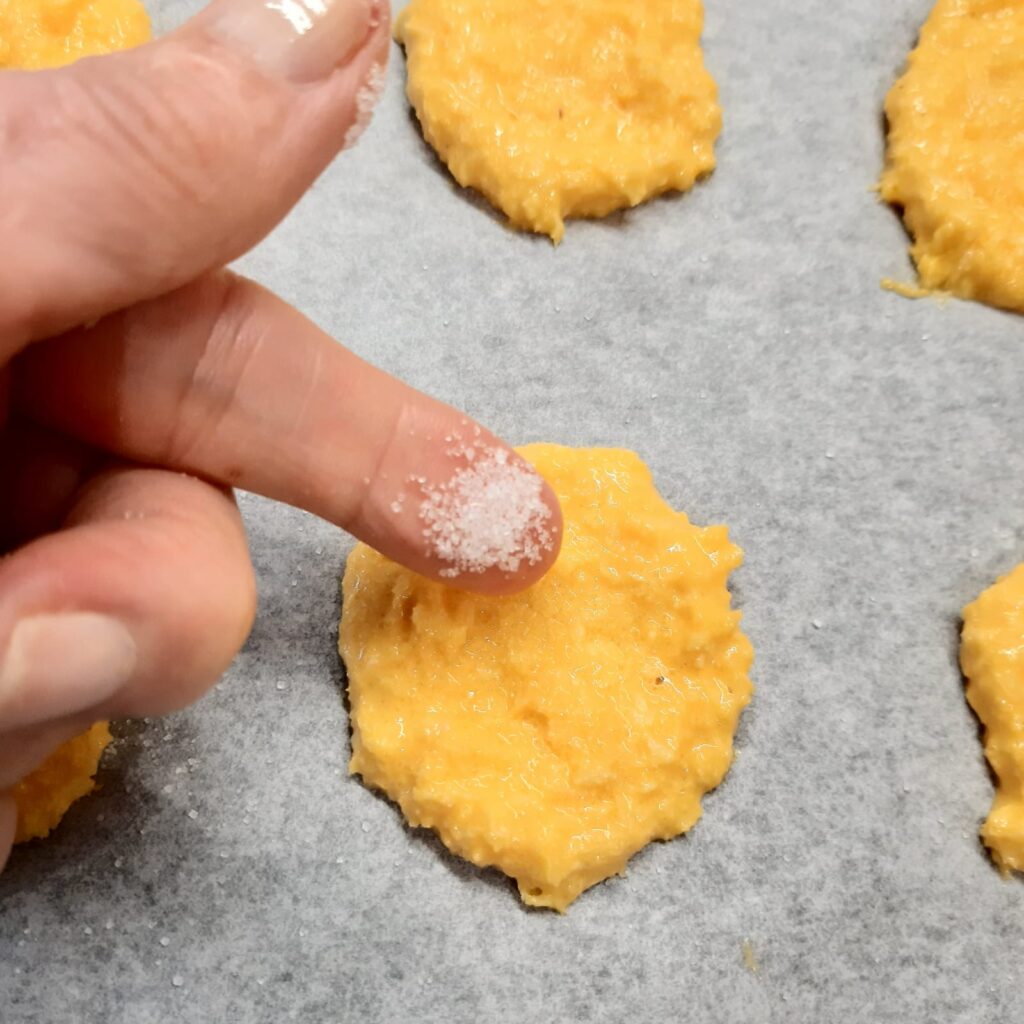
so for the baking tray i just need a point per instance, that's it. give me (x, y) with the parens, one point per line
(865, 452)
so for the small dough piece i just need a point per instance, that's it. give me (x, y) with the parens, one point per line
(68, 773)
(992, 658)
(956, 150)
(47, 33)
(563, 108)
(555, 732)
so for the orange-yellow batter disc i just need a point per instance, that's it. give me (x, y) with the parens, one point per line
(44, 796)
(956, 150)
(992, 657)
(563, 108)
(556, 732)
(47, 33)
(41, 34)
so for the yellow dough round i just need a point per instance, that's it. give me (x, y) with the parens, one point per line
(47, 33)
(555, 732)
(563, 108)
(992, 658)
(956, 150)
(68, 773)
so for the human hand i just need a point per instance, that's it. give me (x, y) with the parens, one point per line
(127, 182)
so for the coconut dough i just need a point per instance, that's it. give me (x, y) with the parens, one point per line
(555, 732)
(563, 108)
(956, 151)
(47, 33)
(992, 658)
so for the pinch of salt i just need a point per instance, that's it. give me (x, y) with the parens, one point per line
(366, 100)
(491, 514)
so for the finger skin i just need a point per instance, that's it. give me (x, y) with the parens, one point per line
(128, 175)
(162, 553)
(41, 473)
(24, 750)
(224, 380)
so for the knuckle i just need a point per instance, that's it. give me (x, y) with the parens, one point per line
(227, 329)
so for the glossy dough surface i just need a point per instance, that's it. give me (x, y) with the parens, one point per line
(556, 732)
(47, 33)
(563, 108)
(992, 657)
(956, 150)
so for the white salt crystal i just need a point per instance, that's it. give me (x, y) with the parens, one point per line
(490, 514)
(366, 100)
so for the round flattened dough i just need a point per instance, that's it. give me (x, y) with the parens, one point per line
(563, 108)
(992, 658)
(956, 150)
(555, 732)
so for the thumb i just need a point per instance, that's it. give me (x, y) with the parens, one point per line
(126, 176)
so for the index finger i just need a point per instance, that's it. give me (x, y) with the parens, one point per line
(224, 380)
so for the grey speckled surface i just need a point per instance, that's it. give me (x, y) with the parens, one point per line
(865, 451)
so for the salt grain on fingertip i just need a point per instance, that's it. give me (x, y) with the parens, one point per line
(491, 514)
(366, 100)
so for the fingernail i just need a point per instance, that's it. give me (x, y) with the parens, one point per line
(57, 665)
(303, 40)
